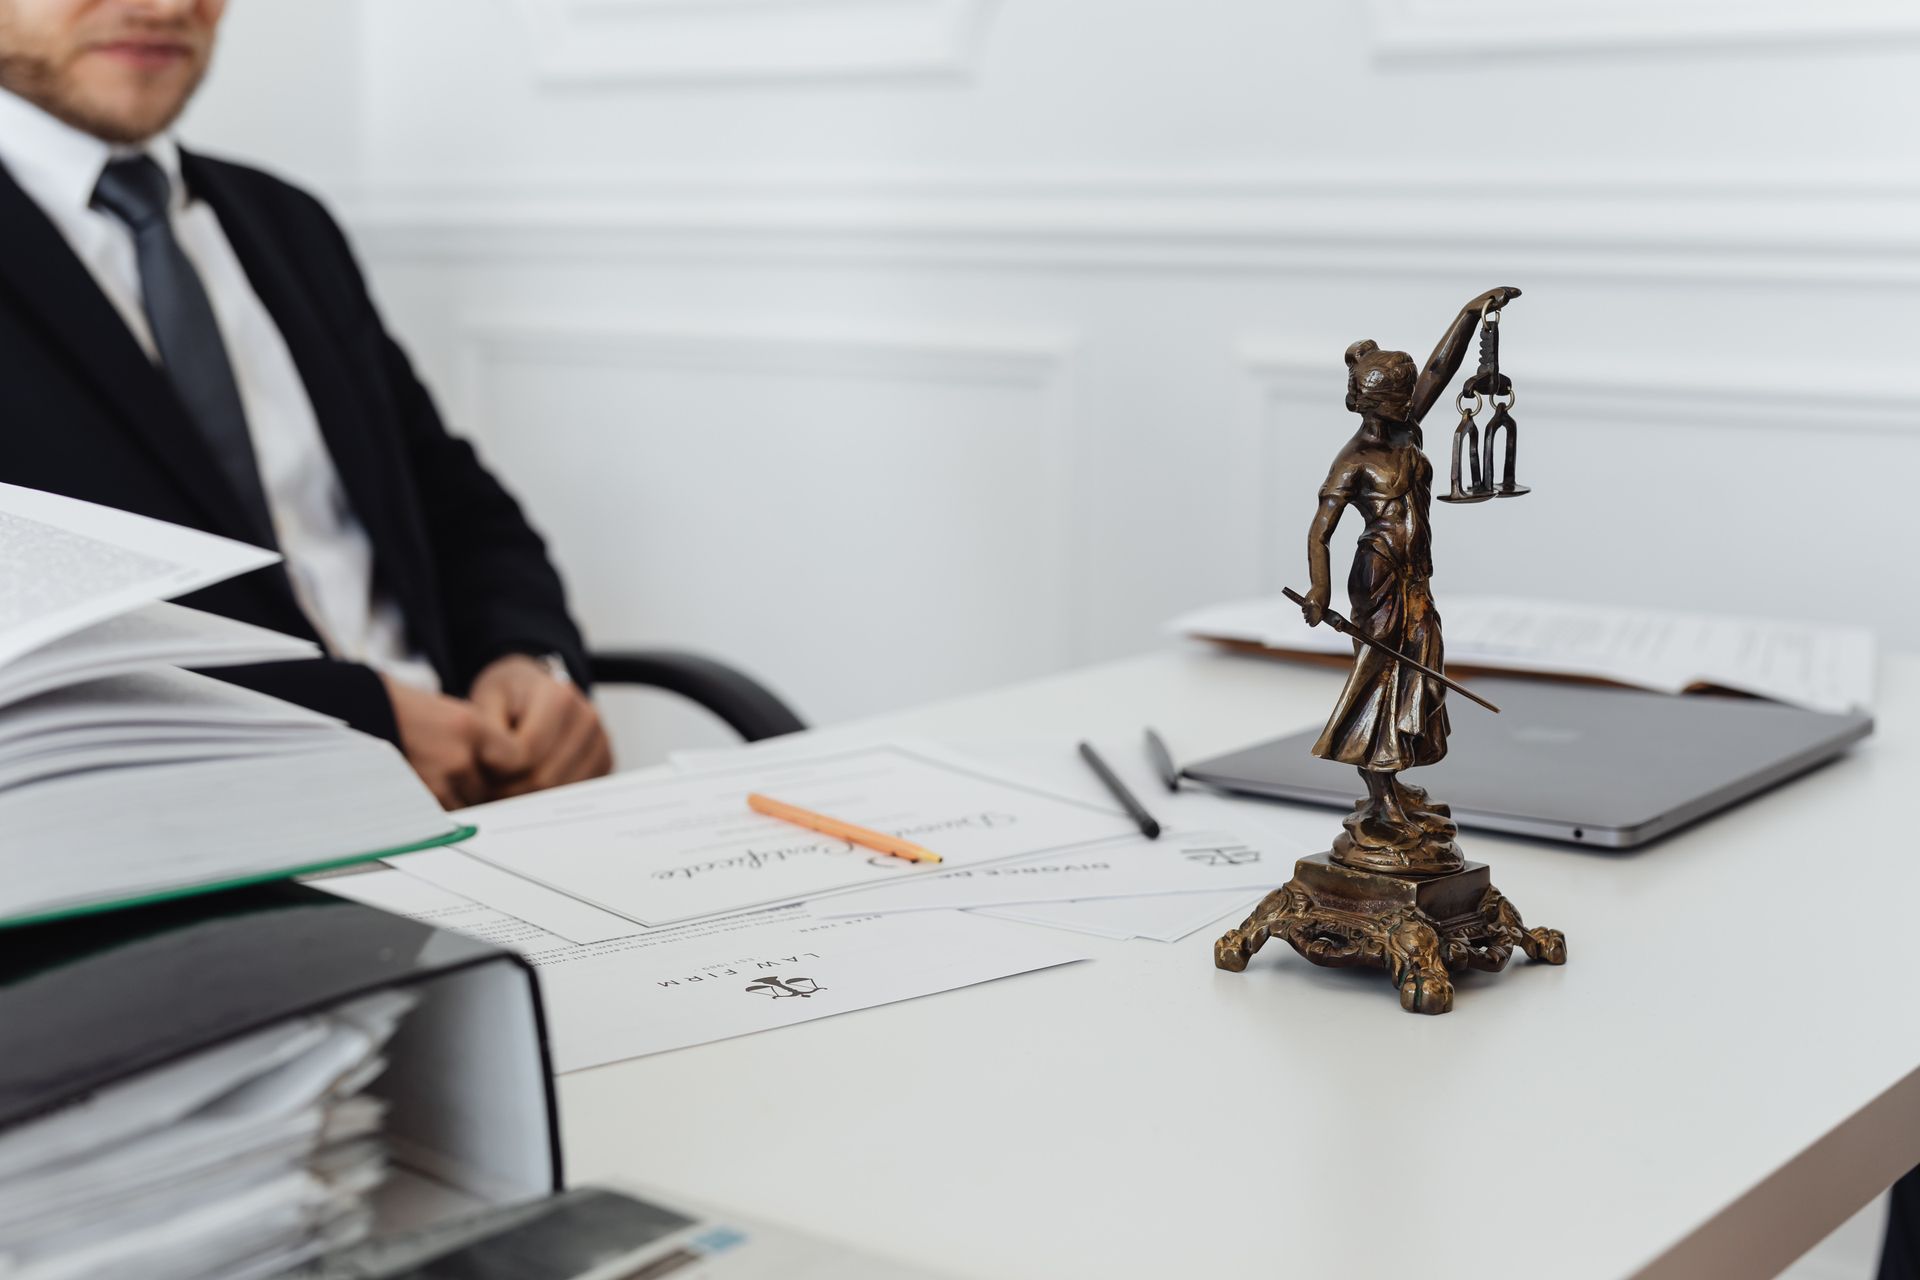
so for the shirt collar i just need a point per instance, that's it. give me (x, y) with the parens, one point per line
(59, 165)
(166, 152)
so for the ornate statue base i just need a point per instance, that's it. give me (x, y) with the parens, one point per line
(1414, 927)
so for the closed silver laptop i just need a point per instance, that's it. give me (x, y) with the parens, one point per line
(1580, 763)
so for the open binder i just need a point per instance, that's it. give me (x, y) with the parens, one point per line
(90, 1002)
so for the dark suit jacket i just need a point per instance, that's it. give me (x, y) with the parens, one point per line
(84, 412)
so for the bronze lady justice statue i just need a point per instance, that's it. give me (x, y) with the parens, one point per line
(1394, 891)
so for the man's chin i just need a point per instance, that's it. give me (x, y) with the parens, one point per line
(119, 112)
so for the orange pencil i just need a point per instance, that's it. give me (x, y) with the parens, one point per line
(878, 841)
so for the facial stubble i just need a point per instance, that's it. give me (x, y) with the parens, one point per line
(39, 81)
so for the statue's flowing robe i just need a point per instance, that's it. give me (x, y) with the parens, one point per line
(1389, 716)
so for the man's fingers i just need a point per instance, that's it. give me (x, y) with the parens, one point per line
(584, 745)
(497, 748)
(469, 786)
(600, 759)
(520, 786)
(540, 720)
(492, 700)
(544, 723)
(589, 754)
(443, 791)
(563, 741)
(551, 768)
(549, 731)
(456, 786)
(446, 739)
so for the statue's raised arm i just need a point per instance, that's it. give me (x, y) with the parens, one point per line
(1452, 348)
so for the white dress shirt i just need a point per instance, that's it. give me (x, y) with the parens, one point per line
(328, 554)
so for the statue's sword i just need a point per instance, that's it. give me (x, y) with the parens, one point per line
(1346, 628)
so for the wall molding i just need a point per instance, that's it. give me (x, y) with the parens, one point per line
(588, 43)
(1836, 229)
(1679, 396)
(1288, 384)
(1029, 360)
(1420, 29)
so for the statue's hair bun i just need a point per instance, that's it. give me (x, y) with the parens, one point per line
(1364, 347)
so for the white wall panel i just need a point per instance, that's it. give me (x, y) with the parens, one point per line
(874, 519)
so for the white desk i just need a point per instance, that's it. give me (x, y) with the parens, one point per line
(1722, 1073)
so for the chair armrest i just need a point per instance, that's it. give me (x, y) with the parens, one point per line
(749, 707)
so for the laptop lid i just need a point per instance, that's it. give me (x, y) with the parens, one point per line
(1585, 764)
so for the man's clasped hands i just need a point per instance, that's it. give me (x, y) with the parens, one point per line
(520, 729)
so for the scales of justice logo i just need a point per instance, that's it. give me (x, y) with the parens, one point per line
(786, 988)
(1222, 855)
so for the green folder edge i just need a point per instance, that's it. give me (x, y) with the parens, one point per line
(188, 891)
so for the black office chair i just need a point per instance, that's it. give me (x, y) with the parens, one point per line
(750, 708)
(1900, 1250)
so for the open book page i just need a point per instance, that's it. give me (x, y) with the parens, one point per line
(1822, 666)
(157, 634)
(161, 696)
(148, 717)
(1818, 665)
(65, 564)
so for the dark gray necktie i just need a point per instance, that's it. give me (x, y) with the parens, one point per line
(136, 190)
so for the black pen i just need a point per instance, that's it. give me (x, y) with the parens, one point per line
(1135, 810)
(1163, 760)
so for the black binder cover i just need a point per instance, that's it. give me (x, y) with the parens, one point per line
(89, 1001)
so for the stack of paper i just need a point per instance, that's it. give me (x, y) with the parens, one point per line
(662, 912)
(238, 1162)
(123, 776)
(1822, 666)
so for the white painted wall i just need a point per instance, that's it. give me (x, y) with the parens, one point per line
(287, 91)
(903, 347)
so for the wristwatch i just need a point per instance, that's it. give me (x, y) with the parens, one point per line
(555, 666)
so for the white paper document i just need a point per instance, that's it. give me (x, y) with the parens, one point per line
(1176, 863)
(690, 984)
(548, 910)
(1163, 919)
(663, 848)
(1289, 831)
(88, 563)
(1823, 666)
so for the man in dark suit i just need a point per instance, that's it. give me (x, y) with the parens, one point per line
(192, 340)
